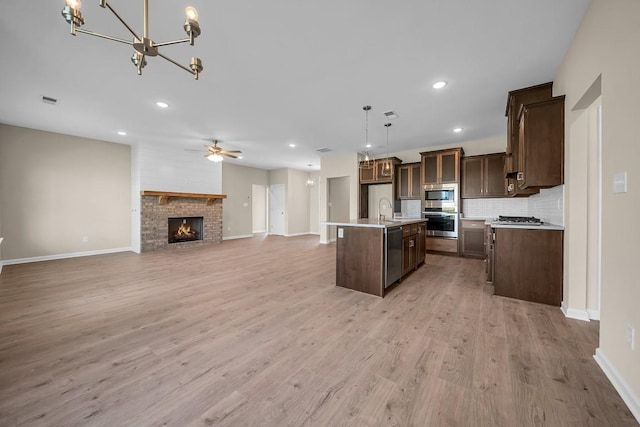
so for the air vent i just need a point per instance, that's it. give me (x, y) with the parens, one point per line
(391, 115)
(323, 150)
(49, 100)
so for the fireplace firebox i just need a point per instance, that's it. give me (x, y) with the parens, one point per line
(185, 229)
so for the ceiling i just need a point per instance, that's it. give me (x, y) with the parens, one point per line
(283, 71)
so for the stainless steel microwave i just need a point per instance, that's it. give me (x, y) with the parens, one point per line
(441, 196)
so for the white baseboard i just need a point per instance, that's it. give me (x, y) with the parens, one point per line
(297, 234)
(64, 256)
(594, 314)
(573, 313)
(324, 242)
(240, 236)
(621, 386)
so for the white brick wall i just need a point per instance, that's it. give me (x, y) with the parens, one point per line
(548, 206)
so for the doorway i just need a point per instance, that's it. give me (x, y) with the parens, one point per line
(277, 209)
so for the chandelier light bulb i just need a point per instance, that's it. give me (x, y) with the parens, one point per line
(74, 4)
(192, 13)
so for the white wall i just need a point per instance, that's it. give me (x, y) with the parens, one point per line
(237, 208)
(335, 167)
(314, 204)
(298, 202)
(259, 208)
(175, 169)
(606, 46)
(376, 193)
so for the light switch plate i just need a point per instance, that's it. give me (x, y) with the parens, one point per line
(340, 233)
(620, 182)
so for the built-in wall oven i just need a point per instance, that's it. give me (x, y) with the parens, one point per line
(441, 209)
(442, 224)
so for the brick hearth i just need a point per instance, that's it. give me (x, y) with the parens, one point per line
(156, 211)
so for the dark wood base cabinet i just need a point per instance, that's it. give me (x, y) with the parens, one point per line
(528, 264)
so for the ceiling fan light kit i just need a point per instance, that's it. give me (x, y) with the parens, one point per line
(215, 153)
(143, 46)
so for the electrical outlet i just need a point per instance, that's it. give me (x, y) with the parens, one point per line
(85, 239)
(630, 335)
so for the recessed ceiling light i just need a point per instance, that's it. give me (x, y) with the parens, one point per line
(439, 85)
(122, 133)
(457, 130)
(162, 104)
(292, 145)
(368, 145)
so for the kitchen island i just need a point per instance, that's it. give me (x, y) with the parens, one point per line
(371, 255)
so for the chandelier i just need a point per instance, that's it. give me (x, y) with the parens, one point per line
(142, 46)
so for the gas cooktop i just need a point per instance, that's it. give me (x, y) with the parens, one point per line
(528, 220)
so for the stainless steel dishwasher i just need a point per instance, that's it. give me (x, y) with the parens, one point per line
(393, 255)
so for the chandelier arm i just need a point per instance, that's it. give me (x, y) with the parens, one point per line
(172, 42)
(122, 20)
(176, 63)
(104, 36)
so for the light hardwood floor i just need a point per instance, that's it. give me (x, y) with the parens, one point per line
(255, 332)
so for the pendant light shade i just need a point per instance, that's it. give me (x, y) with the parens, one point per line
(367, 157)
(310, 181)
(387, 167)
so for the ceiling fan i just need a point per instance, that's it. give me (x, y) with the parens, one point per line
(215, 153)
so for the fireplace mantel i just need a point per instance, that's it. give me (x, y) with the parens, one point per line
(164, 196)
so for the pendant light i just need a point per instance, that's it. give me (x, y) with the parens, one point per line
(310, 181)
(368, 159)
(387, 167)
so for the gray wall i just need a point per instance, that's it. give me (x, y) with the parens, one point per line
(55, 189)
(237, 208)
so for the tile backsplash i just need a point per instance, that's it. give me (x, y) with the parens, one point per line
(411, 208)
(547, 205)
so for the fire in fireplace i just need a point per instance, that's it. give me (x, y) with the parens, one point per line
(185, 229)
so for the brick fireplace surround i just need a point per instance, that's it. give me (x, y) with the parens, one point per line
(156, 207)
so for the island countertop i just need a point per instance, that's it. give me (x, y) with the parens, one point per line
(374, 223)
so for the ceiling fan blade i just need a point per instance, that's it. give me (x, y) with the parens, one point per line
(232, 151)
(229, 155)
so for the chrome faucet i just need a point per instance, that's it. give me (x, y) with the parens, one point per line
(380, 216)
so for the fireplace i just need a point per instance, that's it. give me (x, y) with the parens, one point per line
(185, 229)
(158, 207)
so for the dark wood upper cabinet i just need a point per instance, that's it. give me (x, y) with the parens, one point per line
(515, 100)
(541, 144)
(441, 167)
(374, 174)
(430, 168)
(408, 181)
(482, 176)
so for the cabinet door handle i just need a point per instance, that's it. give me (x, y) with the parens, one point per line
(411, 243)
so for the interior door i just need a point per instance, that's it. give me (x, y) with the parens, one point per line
(276, 209)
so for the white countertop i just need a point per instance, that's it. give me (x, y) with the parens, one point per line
(543, 226)
(374, 223)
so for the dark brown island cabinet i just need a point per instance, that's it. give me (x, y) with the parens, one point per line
(369, 257)
(528, 264)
